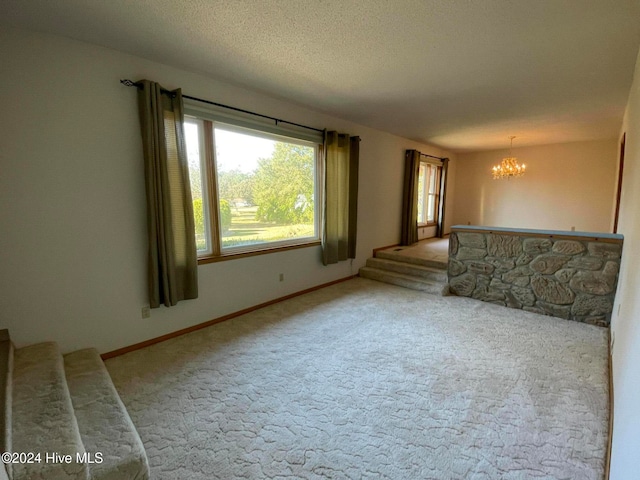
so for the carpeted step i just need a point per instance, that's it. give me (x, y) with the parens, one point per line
(428, 273)
(43, 418)
(407, 281)
(6, 396)
(103, 420)
(391, 255)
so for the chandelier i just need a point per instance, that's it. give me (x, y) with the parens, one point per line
(509, 166)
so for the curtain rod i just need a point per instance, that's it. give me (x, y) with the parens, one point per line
(431, 156)
(130, 83)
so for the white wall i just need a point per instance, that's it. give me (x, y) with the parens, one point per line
(426, 232)
(72, 247)
(565, 185)
(625, 324)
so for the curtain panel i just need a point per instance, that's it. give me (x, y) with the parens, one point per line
(409, 224)
(339, 217)
(172, 256)
(442, 199)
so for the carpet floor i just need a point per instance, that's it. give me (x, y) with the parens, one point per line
(367, 380)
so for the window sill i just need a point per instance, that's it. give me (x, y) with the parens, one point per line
(425, 225)
(232, 256)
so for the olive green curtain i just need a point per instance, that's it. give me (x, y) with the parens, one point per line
(409, 224)
(339, 219)
(442, 198)
(172, 257)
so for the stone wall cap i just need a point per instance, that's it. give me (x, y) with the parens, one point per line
(540, 233)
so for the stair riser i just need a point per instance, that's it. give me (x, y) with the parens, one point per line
(401, 282)
(411, 260)
(408, 269)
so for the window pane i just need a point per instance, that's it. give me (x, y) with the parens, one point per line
(433, 184)
(431, 209)
(266, 188)
(432, 178)
(421, 197)
(197, 176)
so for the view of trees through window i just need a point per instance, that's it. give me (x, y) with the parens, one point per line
(265, 187)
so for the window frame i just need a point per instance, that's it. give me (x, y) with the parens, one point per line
(216, 252)
(430, 169)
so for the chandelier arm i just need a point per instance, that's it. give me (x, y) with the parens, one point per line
(509, 166)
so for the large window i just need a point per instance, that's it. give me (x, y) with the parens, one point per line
(252, 190)
(428, 193)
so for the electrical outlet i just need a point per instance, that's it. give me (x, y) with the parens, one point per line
(573, 229)
(146, 311)
(282, 277)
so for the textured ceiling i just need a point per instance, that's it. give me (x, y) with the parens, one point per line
(459, 74)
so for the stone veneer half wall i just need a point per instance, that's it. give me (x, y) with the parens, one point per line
(571, 275)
